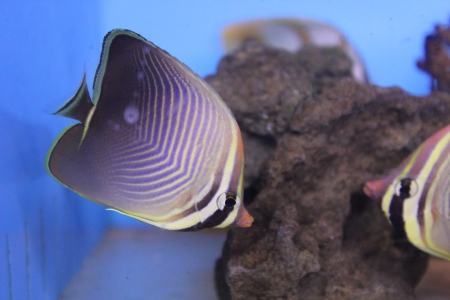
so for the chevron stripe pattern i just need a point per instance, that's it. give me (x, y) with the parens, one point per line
(157, 143)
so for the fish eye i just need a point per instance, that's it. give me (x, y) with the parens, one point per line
(227, 201)
(406, 188)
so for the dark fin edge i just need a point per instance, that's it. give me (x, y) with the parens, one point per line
(79, 105)
(101, 68)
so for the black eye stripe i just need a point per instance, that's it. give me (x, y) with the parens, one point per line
(396, 216)
(215, 219)
(230, 202)
(405, 188)
(402, 194)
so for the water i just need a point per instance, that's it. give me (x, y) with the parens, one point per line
(46, 231)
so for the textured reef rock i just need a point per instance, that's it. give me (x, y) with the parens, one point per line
(437, 58)
(312, 137)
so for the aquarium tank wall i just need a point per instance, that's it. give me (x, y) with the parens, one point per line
(46, 230)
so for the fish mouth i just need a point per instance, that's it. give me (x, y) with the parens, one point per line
(244, 219)
(372, 190)
(368, 190)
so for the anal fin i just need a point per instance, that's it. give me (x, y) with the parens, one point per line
(60, 158)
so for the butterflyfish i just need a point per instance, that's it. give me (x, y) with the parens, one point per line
(291, 35)
(155, 143)
(415, 196)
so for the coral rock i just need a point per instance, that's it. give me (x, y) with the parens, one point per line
(437, 58)
(315, 137)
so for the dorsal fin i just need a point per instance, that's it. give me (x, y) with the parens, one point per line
(79, 105)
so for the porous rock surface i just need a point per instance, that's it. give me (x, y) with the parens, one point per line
(312, 137)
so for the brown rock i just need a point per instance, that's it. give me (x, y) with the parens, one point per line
(316, 235)
(437, 58)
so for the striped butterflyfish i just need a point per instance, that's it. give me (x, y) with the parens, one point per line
(291, 35)
(416, 196)
(155, 143)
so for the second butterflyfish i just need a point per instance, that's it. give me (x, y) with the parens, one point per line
(415, 196)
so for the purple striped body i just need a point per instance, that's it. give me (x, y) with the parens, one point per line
(156, 143)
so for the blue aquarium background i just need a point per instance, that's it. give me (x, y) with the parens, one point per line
(46, 231)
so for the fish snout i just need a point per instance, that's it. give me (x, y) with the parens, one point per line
(372, 190)
(244, 219)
